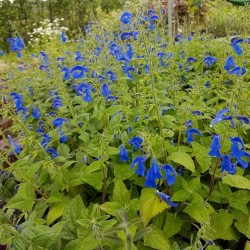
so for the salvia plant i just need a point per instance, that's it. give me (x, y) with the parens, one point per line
(127, 139)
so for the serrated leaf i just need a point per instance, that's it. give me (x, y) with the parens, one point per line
(89, 243)
(72, 213)
(197, 210)
(180, 195)
(94, 179)
(114, 109)
(236, 181)
(183, 159)
(201, 155)
(120, 192)
(63, 149)
(24, 198)
(156, 239)
(111, 207)
(150, 205)
(56, 210)
(173, 225)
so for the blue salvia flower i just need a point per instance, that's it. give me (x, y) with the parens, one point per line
(209, 61)
(188, 123)
(126, 17)
(139, 161)
(235, 44)
(215, 146)
(105, 90)
(170, 174)
(154, 172)
(18, 100)
(46, 140)
(191, 60)
(166, 198)
(126, 35)
(229, 63)
(2, 53)
(111, 75)
(66, 72)
(237, 152)
(227, 165)
(16, 44)
(123, 154)
(36, 114)
(63, 37)
(17, 148)
(58, 122)
(197, 112)
(78, 71)
(190, 134)
(243, 119)
(53, 153)
(136, 142)
(237, 70)
(220, 117)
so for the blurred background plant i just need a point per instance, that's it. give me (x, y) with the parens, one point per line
(17, 17)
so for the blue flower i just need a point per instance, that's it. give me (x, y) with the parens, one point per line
(209, 61)
(188, 123)
(235, 44)
(243, 119)
(170, 174)
(46, 140)
(78, 71)
(166, 198)
(139, 161)
(18, 100)
(197, 112)
(36, 114)
(215, 146)
(220, 117)
(16, 44)
(136, 142)
(63, 37)
(191, 60)
(17, 148)
(190, 132)
(2, 53)
(126, 17)
(123, 154)
(154, 172)
(126, 35)
(105, 90)
(53, 153)
(226, 165)
(58, 122)
(66, 73)
(229, 63)
(237, 70)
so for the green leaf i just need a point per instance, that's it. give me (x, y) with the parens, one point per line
(114, 109)
(183, 159)
(156, 239)
(112, 151)
(122, 171)
(236, 181)
(56, 210)
(120, 192)
(24, 198)
(89, 243)
(93, 179)
(73, 245)
(220, 226)
(198, 210)
(49, 238)
(111, 207)
(63, 149)
(72, 213)
(180, 195)
(150, 205)
(201, 155)
(173, 225)
(242, 222)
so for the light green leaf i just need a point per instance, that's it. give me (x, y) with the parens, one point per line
(63, 149)
(150, 205)
(112, 151)
(111, 207)
(183, 159)
(236, 181)
(89, 243)
(72, 213)
(173, 225)
(120, 192)
(123, 171)
(56, 210)
(94, 179)
(114, 109)
(156, 239)
(201, 155)
(198, 210)
(24, 198)
(180, 195)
